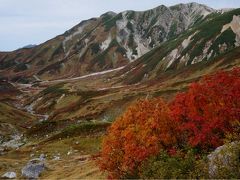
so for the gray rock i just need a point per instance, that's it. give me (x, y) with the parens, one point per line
(34, 168)
(15, 142)
(1, 149)
(224, 162)
(42, 157)
(56, 158)
(9, 175)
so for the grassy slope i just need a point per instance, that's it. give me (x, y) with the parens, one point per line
(86, 100)
(76, 164)
(8, 113)
(20, 119)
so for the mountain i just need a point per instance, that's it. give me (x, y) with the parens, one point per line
(216, 36)
(98, 44)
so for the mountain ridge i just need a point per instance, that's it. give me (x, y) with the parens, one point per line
(98, 44)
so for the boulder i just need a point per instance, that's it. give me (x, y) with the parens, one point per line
(224, 162)
(9, 175)
(34, 168)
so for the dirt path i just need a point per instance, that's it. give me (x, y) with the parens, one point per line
(83, 77)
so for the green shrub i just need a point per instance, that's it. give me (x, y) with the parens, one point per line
(131, 40)
(20, 67)
(95, 48)
(227, 37)
(112, 22)
(82, 129)
(56, 89)
(173, 30)
(130, 26)
(165, 166)
(7, 63)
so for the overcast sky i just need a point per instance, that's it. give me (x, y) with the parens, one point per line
(24, 22)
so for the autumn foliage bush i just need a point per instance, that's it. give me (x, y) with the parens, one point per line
(200, 118)
(140, 133)
(209, 110)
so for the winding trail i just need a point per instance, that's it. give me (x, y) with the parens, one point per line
(83, 77)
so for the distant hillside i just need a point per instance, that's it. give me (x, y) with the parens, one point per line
(110, 41)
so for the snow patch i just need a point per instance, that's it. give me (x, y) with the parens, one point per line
(71, 36)
(186, 42)
(83, 50)
(173, 55)
(63, 65)
(60, 98)
(86, 76)
(106, 43)
(184, 60)
(141, 45)
(123, 34)
(129, 53)
(114, 87)
(235, 26)
(37, 78)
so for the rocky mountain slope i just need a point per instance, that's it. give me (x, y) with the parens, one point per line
(98, 44)
(208, 40)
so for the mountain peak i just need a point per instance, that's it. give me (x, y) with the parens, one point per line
(193, 8)
(109, 13)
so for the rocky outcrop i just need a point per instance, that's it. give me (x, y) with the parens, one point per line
(224, 162)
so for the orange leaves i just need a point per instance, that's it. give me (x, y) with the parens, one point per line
(140, 133)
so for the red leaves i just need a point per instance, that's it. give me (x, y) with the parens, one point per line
(206, 112)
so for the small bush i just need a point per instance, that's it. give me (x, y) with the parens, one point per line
(95, 48)
(82, 129)
(55, 89)
(178, 166)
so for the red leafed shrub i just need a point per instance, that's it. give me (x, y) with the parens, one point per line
(209, 109)
(140, 133)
